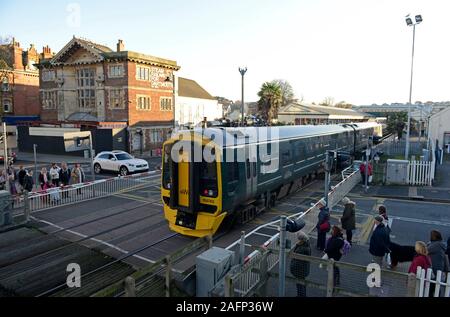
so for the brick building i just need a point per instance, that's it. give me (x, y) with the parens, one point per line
(88, 84)
(19, 77)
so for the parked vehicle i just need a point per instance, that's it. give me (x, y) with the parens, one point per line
(119, 161)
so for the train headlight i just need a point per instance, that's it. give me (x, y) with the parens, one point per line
(211, 193)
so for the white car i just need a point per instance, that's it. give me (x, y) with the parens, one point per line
(119, 161)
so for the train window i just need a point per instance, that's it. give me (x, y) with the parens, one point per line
(208, 179)
(233, 171)
(166, 181)
(248, 168)
(286, 158)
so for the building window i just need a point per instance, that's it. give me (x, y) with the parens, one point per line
(165, 103)
(156, 136)
(86, 87)
(143, 103)
(5, 85)
(7, 105)
(49, 99)
(116, 71)
(116, 100)
(142, 73)
(48, 75)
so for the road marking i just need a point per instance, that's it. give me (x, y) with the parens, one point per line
(112, 246)
(138, 198)
(422, 221)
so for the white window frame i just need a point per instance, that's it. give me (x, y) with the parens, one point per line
(48, 75)
(143, 103)
(142, 73)
(156, 136)
(116, 71)
(7, 101)
(165, 107)
(86, 94)
(49, 100)
(114, 95)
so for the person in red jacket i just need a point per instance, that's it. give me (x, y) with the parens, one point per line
(362, 169)
(421, 259)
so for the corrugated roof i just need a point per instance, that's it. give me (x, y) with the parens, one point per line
(190, 88)
(324, 110)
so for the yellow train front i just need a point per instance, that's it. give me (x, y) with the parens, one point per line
(192, 185)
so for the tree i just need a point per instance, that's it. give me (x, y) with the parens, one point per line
(328, 102)
(287, 92)
(270, 101)
(396, 123)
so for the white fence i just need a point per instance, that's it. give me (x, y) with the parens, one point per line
(421, 173)
(425, 281)
(56, 197)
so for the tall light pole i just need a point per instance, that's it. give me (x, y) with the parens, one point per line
(409, 22)
(242, 71)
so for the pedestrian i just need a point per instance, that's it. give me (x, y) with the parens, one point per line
(379, 242)
(335, 250)
(78, 176)
(299, 268)
(64, 178)
(54, 174)
(348, 219)
(436, 251)
(421, 259)
(21, 176)
(28, 181)
(44, 179)
(323, 227)
(362, 170)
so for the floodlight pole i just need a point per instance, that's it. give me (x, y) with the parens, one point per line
(408, 134)
(91, 154)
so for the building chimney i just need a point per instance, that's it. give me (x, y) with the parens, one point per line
(120, 46)
(46, 52)
(17, 55)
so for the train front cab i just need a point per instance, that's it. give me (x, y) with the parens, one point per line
(192, 191)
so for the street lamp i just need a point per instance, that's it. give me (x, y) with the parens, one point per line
(242, 71)
(410, 22)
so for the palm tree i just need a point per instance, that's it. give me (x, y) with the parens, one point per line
(270, 100)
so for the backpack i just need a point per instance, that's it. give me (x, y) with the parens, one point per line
(347, 247)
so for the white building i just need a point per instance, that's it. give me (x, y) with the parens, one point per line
(440, 127)
(193, 104)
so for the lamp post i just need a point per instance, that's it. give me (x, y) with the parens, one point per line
(409, 22)
(242, 71)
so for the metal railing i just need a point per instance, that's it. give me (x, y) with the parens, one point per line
(62, 196)
(336, 194)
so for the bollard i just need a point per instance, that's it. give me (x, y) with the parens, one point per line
(130, 287)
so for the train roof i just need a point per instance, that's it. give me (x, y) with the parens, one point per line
(238, 136)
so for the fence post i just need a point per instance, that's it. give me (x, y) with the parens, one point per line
(209, 239)
(26, 204)
(168, 275)
(282, 261)
(330, 280)
(130, 287)
(229, 287)
(411, 286)
(242, 249)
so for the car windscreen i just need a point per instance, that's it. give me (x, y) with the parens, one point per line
(123, 157)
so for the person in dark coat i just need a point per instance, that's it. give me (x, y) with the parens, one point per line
(21, 176)
(323, 226)
(300, 269)
(436, 251)
(348, 219)
(64, 175)
(379, 242)
(28, 182)
(334, 250)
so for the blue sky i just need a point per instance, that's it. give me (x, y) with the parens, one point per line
(353, 50)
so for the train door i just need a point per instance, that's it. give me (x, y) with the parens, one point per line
(251, 178)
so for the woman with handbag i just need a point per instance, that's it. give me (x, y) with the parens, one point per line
(323, 226)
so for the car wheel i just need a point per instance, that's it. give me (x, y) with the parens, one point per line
(97, 168)
(123, 171)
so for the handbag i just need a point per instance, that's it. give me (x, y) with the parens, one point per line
(325, 227)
